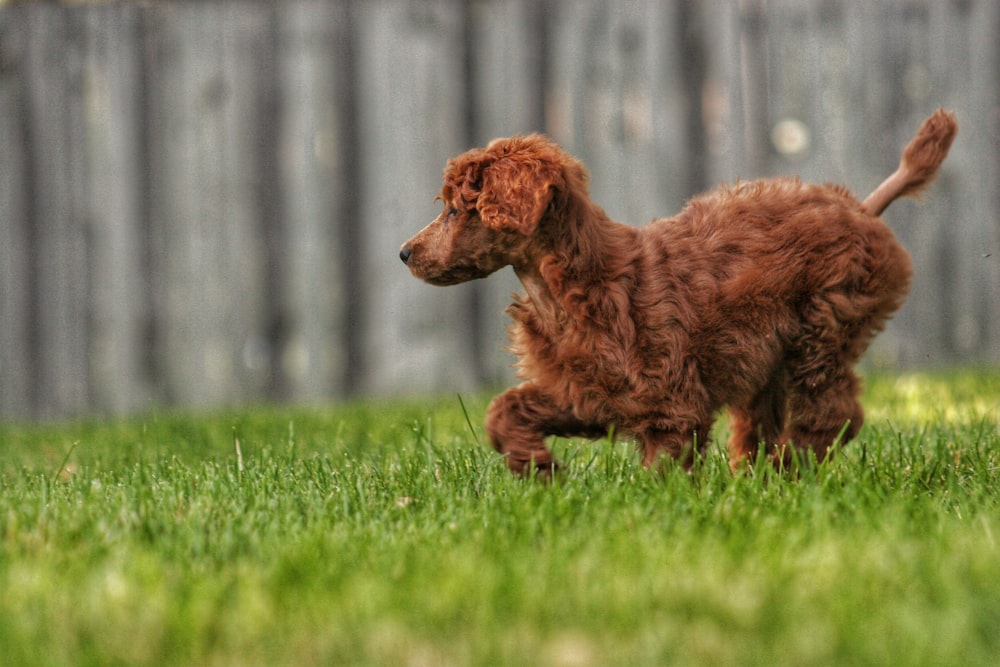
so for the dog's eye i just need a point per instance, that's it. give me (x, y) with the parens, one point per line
(450, 214)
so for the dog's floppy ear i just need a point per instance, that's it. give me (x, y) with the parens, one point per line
(515, 193)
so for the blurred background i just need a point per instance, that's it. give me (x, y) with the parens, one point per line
(201, 203)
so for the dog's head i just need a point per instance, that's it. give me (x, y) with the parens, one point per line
(495, 200)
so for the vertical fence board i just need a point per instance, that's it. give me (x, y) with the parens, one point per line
(15, 292)
(55, 112)
(725, 88)
(985, 105)
(206, 236)
(113, 122)
(181, 103)
(312, 298)
(873, 146)
(920, 226)
(617, 104)
(506, 59)
(507, 98)
(418, 337)
(966, 66)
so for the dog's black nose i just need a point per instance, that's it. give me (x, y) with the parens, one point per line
(404, 254)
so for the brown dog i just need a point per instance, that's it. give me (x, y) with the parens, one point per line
(760, 297)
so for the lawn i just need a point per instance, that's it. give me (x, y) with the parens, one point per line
(389, 534)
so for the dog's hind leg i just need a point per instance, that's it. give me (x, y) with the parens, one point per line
(823, 405)
(518, 421)
(820, 414)
(762, 421)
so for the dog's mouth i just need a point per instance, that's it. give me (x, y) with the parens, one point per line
(432, 274)
(452, 275)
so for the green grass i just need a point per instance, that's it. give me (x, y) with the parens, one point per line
(386, 534)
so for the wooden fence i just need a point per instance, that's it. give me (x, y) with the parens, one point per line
(201, 203)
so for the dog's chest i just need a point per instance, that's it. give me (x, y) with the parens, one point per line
(602, 372)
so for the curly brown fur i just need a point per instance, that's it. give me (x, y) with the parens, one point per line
(759, 297)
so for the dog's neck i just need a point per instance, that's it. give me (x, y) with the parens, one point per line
(580, 254)
(540, 294)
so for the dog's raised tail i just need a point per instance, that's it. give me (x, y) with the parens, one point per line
(920, 162)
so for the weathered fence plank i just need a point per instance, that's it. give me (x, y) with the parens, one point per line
(506, 48)
(310, 355)
(113, 122)
(418, 337)
(55, 165)
(618, 103)
(16, 229)
(207, 237)
(975, 175)
(202, 202)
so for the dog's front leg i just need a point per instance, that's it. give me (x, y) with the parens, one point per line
(518, 422)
